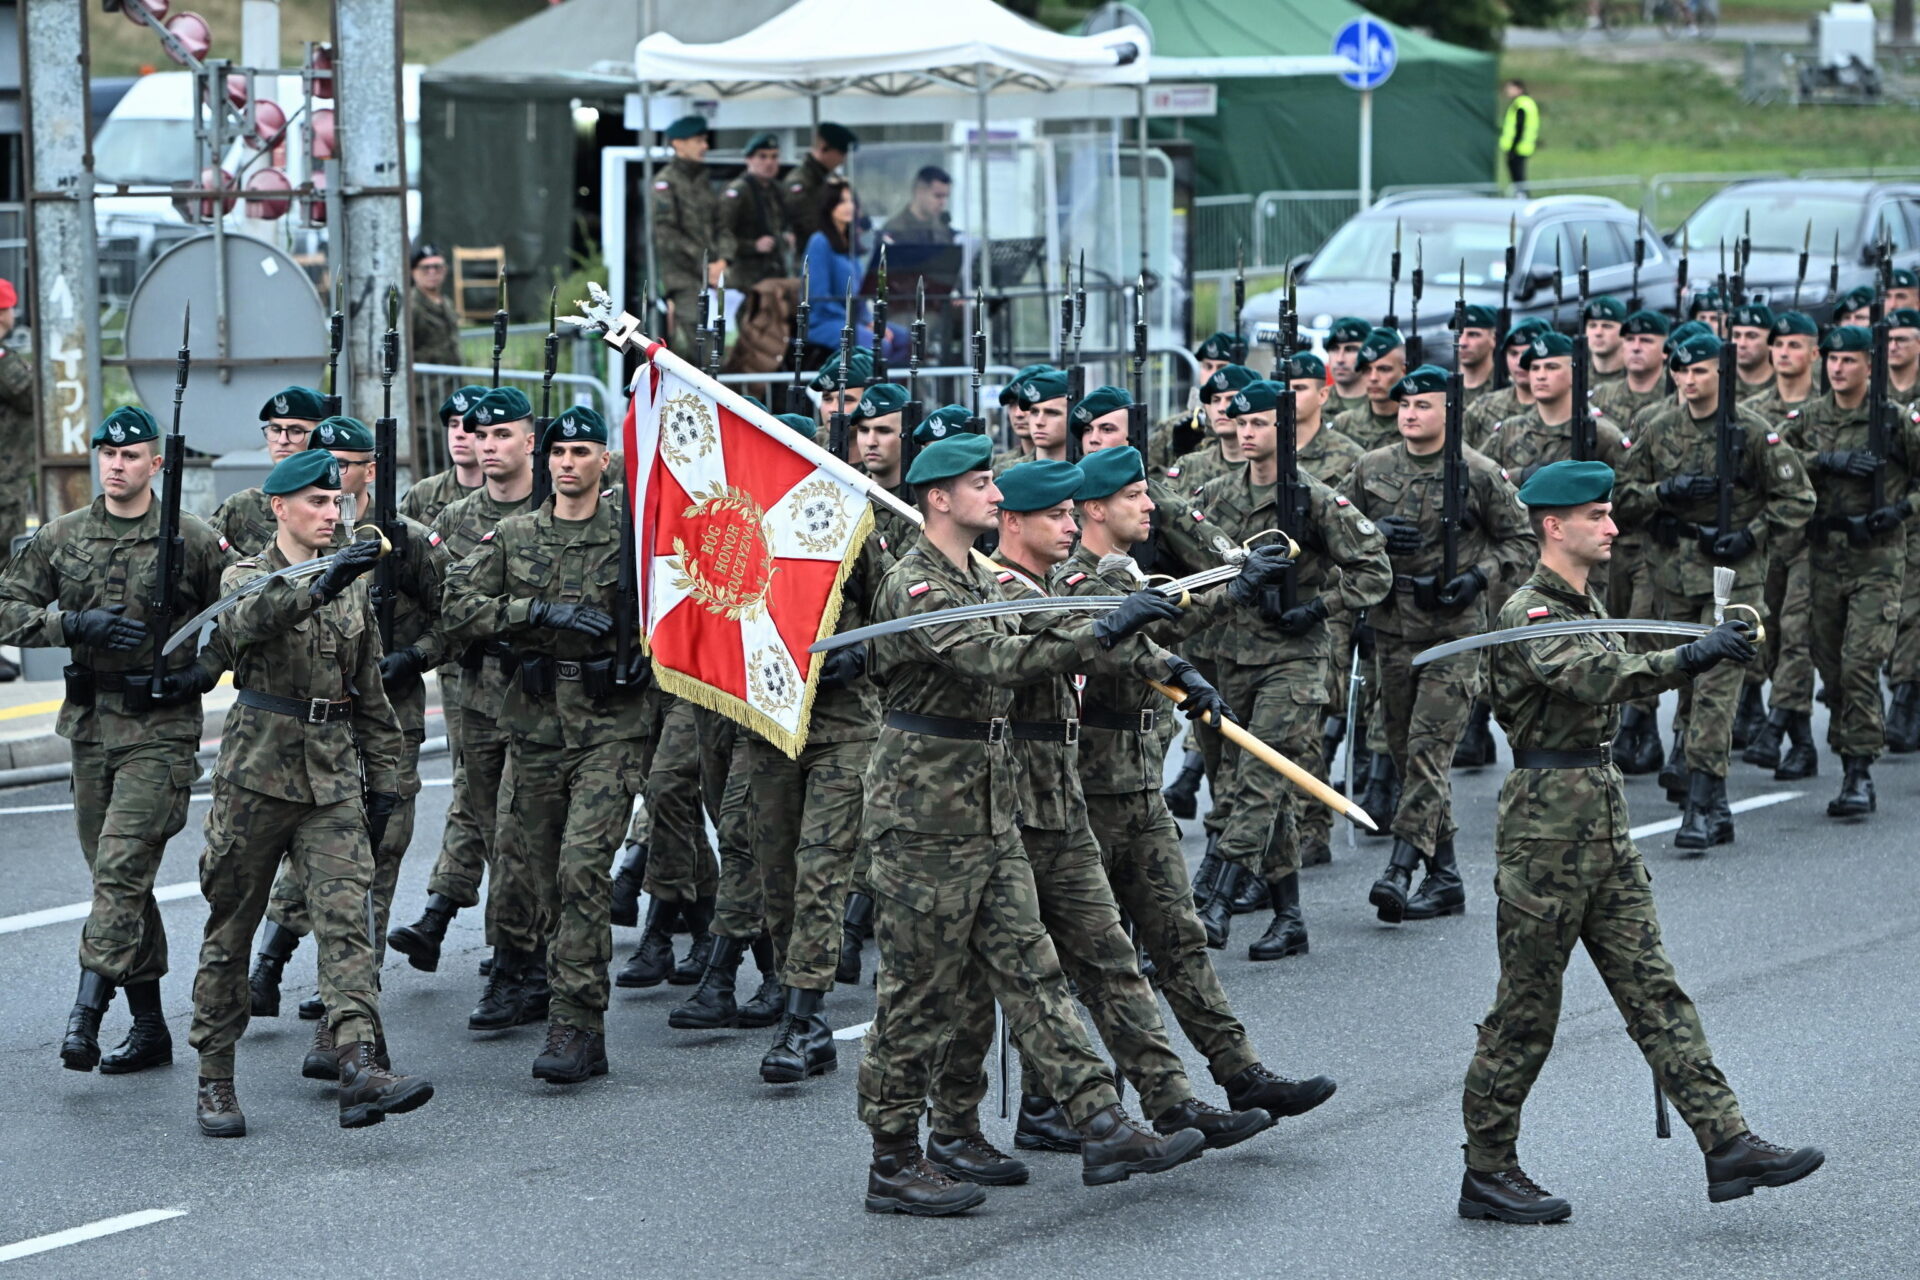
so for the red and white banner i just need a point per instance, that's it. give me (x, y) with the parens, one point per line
(744, 534)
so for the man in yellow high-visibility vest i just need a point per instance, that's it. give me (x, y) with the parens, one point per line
(1519, 133)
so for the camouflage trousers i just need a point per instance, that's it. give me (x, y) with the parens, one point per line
(680, 865)
(569, 805)
(943, 906)
(1553, 894)
(1280, 704)
(1078, 909)
(128, 802)
(326, 844)
(1631, 594)
(1425, 710)
(1903, 665)
(479, 749)
(1788, 654)
(1212, 747)
(1316, 820)
(1707, 705)
(739, 909)
(803, 822)
(1856, 611)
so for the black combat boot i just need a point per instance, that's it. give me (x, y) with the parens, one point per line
(1440, 893)
(1389, 894)
(1763, 749)
(323, 1057)
(277, 943)
(420, 941)
(1708, 820)
(570, 1055)
(1043, 1126)
(1802, 758)
(1856, 798)
(1207, 874)
(1741, 1163)
(1250, 896)
(1113, 1148)
(856, 926)
(1221, 1129)
(1287, 935)
(1509, 1196)
(1216, 913)
(1475, 749)
(652, 960)
(712, 1003)
(804, 1045)
(217, 1109)
(971, 1158)
(149, 1043)
(1333, 731)
(1903, 722)
(901, 1180)
(369, 1092)
(629, 875)
(80, 1051)
(1276, 1095)
(770, 1000)
(312, 1007)
(1748, 716)
(1673, 774)
(1183, 793)
(1315, 850)
(699, 917)
(1377, 797)
(500, 1004)
(1640, 753)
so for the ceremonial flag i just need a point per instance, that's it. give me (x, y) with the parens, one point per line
(744, 532)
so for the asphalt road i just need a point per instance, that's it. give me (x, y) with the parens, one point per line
(1798, 942)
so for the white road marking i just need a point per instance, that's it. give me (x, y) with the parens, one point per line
(78, 910)
(852, 1033)
(1738, 806)
(92, 1231)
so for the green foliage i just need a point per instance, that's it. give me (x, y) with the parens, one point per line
(1477, 24)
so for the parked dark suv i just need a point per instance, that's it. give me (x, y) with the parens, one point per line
(1348, 275)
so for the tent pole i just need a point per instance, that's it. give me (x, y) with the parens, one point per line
(986, 236)
(648, 285)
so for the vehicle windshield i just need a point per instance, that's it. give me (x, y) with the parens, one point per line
(1779, 221)
(1361, 249)
(133, 150)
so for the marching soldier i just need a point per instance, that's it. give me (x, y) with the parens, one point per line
(804, 182)
(876, 422)
(1220, 452)
(1903, 290)
(1854, 307)
(287, 419)
(1568, 871)
(1752, 350)
(426, 498)
(16, 434)
(1015, 414)
(86, 582)
(755, 217)
(1642, 379)
(1478, 340)
(1604, 318)
(1043, 395)
(1344, 340)
(1903, 665)
(1169, 436)
(1382, 361)
(687, 231)
(1514, 398)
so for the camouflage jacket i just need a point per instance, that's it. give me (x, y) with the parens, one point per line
(289, 645)
(485, 666)
(1480, 415)
(1190, 471)
(1821, 425)
(1521, 445)
(1366, 428)
(1114, 762)
(800, 192)
(434, 332)
(16, 425)
(1598, 378)
(965, 670)
(1623, 404)
(427, 499)
(850, 712)
(79, 562)
(1746, 392)
(420, 577)
(686, 225)
(533, 556)
(1776, 408)
(1494, 537)
(897, 533)
(1338, 404)
(751, 208)
(1559, 694)
(1164, 446)
(246, 521)
(1046, 772)
(1329, 456)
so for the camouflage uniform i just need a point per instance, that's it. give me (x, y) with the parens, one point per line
(800, 193)
(1568, 872)
(433, 337)
(1630, 591)
(246, 521)
(1190, 471)
(1476, 394)
(1425, 708)
(575, 752)
(1480, 415)
(1366, 428)
(17, 442)
(751, 208)
(425, 500)
(739, 905)
(680, 862)
(1521, 445)
(1787, 655)
(286, 785)
(686, 230)
(131, 769)
(1338, 404)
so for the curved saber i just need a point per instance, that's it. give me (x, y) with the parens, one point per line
(1547, 630)
(305, 569)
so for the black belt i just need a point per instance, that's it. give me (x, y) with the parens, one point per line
(112, 681)
(996, 730)
(1145, 720)
(1539, 758)
(311, 710)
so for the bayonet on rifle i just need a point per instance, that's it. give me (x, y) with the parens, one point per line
(797, 401)
(386, 508)
(170, 563)
(500, 323)
(1416, 349)
(1586, 442)
(1501, 376)
(336, 338)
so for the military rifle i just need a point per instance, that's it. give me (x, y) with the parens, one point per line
(1639, 257)
(1725, 423)
(626, 590)
(706, 319)
(797, 400)
(1416, 349)
(1586, 441)
(1800, 273)
(336, 338)
(978, 421)
(1559, 286)
(880, 317)
(1077, 372)
(1079, 319)
(1069, 364)
(1289, 494)
(1833, 277)
(717, 346)
(1742, 256)
(916, 410)
(1680, 276)
(1239, 352)
(499, 324)
(839, 425)
(1453, 467)
(170, 564)
(1877, 389)
(542, 477)
(1392, 319)
(386, 505)
(1501, 377)
(1139, 428)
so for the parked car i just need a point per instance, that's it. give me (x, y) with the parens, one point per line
(1461, 241)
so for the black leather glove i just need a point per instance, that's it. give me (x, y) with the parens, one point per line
(1202, 699)
(1462, 589)
(843, 666)
(1859, 463)
(399, 669)
(103, 628)
(1141, 609)
(1265, 566)
(380, 807)
(1887, 519)
(1730, 547)
(184, 685)
(349, 563)
(1303, 618)
(1679, 490)
(1731, 641)
(1403, 535)
(1363, 640)
(562, 616)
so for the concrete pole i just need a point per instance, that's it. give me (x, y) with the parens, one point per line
(1366, 148)
(260, 36)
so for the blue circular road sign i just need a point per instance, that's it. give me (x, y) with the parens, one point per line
(1368, 44)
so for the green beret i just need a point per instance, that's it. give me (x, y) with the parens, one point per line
(302, 470)
(839, 137)
(686, 127)
(1379, 343)
(859, 371)
(1646, 322)
(1255, 397)
(1106, 472)
(1604, 307)
(1692, 349)
(1568, 484)
(576, 425)
(1546, 345)
(1523, 331)
(1861, 295)
(1227, 378)
(1903, 318)
(766, 140)
(1041, 387)
(879, 400)
(1794, 322)
(1681, 332)
(1098, 403)
(1219, 346)
(1754, 315)
(954, 456)
(800, 422)
(463, 399)
(1707, 299)
(947, 420)
(500, 404)
(1476, 316)
(129, 424)
(342, 432)
(1429, 378)
(1906, 278)
(1305, 364)
(1009, 393)
(1348, 329)
(295, 402)
(1042, 483)
(1848, 337)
